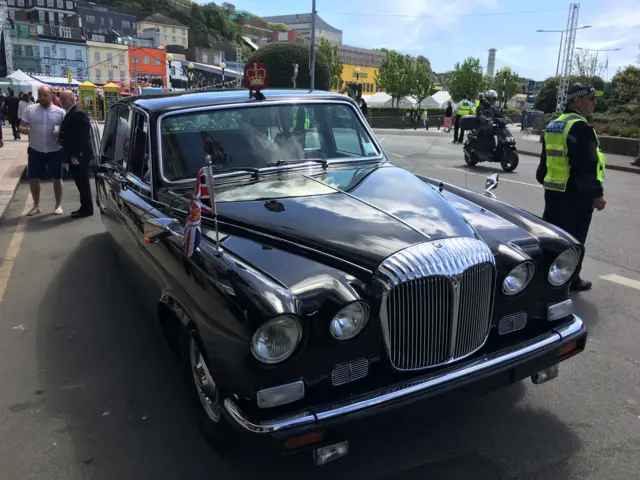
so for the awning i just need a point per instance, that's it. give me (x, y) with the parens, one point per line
(57, 81)
(250, 43)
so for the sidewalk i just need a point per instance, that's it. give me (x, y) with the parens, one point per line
(525, 143)
(13, 162)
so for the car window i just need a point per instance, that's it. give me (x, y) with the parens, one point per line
(107, 145)
(139, 157)
(122, 136)
(261, 135)
(348, 133)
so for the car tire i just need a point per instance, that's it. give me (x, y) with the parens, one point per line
(201, 388)
(510, 161)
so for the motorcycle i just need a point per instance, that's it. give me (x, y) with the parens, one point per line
(494, 144)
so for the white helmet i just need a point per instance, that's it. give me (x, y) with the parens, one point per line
(491, 96)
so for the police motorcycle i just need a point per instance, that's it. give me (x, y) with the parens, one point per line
(490, 143)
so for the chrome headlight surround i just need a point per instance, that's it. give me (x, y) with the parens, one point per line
(349, 321)
(276, 339)
(564, 266)
(518, 278)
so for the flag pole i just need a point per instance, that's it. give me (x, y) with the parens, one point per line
(209, 178)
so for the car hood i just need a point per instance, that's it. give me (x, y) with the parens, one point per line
(360, 215)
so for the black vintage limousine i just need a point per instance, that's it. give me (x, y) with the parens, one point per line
(328, 284)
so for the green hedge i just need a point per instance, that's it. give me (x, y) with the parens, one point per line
(400, 112)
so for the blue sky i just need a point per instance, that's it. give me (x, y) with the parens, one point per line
(447, 31)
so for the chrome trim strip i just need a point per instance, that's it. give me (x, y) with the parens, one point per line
(398, 392)
(572, 328)
(254, 104)
(370, 205)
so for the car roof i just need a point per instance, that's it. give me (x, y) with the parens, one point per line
(159, 102)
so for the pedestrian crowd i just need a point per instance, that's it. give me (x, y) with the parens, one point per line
(59, 136)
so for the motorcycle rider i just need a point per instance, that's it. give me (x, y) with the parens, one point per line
(485, 112)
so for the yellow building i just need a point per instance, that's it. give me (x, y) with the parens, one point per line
(365, 76)
(108, 62)
(169, 31)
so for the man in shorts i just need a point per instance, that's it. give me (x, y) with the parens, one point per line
(41, 122)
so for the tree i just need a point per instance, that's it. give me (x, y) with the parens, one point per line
(625, 86)
(332, 54)
(279, 58)
(423, 81)
(547, 97)
(424, 60)
(508, 90)
(394, 75)
(585, 65)
(466, 79)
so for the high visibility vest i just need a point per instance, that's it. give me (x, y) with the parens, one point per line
(475, 107)
(307, 123)
(464, 108)
(555, 139)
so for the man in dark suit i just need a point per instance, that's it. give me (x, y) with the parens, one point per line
(75, 138)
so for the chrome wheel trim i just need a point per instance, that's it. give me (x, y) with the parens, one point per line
(205, 386)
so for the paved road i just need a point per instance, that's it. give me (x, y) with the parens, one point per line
(89, 391)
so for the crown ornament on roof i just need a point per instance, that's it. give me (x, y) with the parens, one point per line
(256, 75)
(256, 78)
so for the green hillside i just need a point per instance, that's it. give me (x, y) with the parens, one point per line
(209, 23)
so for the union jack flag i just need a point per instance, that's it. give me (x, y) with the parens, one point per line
(200, 203)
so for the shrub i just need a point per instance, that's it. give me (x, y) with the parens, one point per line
(279, 58)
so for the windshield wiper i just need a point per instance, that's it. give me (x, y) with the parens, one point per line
(293, 162)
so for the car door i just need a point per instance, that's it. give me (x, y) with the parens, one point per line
(111, 179)
(137, 199)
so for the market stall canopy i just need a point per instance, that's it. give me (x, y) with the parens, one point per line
(379, 99)
(437, 100)
(26, 82)
(56, 81)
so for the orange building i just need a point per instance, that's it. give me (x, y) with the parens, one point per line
(146, 64)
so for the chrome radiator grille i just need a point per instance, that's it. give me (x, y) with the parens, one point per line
(438, 300)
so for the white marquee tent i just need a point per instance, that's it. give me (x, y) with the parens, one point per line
(26, 83)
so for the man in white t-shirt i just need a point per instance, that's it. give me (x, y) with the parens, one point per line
(41, 122)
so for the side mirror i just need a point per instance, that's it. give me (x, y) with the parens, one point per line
(491, 184)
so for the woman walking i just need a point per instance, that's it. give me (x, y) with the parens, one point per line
(448, 113)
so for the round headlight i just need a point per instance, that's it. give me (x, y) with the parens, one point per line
(518, 278)
(564, 266)
(349, 321)
(277, 339)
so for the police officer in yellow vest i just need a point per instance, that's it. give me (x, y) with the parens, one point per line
(572, 169)
(301, 121)
(464, 108)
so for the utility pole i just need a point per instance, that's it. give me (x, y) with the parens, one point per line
(567, 56)
(312, 56)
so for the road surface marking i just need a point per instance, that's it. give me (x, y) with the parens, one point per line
(14, 248)
(381, 139)
(627, 282)
(394, 154)
(461, 170)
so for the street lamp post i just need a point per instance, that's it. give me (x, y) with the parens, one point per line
(190, 68)
(169, 60)
(357, 74)
(594, 64)
(561, 32)
(223, 66)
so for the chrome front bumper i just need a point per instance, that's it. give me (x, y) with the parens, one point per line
(318, 416)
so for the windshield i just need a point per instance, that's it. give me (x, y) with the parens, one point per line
(260, 136)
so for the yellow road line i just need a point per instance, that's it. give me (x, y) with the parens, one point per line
(14, 248)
